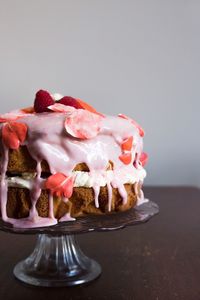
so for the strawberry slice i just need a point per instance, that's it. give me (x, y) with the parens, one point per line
(143, 158)
(127, 144)
(14, 134)
(60, 185)
(126, 158)
(83, 124)
(57, 107)
(140, 129)
(88, 107)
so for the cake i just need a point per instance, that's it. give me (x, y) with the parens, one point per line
(61, 159)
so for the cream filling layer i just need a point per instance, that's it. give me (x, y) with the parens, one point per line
(81, 179)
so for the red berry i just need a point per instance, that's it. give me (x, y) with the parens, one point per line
(70, 101)
(42, 100)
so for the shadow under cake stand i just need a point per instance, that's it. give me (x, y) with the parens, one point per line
(57, 259)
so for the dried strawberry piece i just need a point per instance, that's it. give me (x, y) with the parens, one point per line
(70, 101)
(42, 100)
(88, 107)
(143, 158)
(60, 185)
(126, 158)
(127, 144)
(83, 124)
(28, 110)
(140, 129)
(14, 134)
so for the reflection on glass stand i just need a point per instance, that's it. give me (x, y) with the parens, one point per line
(57, 261)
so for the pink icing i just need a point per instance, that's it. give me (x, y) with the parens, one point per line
(109, 187)
(66, 217)
(48, 140)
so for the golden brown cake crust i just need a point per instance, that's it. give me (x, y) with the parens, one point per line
(20, 161)
(81, 202)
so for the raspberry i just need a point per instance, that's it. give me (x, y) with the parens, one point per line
(42, 100)
(70, 101)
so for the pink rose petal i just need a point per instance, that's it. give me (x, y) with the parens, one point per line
(83, 124)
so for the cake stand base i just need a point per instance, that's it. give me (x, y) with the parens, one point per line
(57, 261)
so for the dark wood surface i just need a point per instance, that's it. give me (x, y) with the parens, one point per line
(159, 260)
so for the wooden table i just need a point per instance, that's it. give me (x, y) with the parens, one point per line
(154, 261)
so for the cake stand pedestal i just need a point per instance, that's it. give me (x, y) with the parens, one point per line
(57, 259)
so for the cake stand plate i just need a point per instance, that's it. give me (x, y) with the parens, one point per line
(57, 259)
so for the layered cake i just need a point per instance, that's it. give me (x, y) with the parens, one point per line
(61, 159)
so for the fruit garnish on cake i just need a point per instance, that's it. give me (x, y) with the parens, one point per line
(61, 159)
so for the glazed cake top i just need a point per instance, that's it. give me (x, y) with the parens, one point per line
(66, 136)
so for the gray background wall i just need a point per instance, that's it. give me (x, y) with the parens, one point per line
(141, 58)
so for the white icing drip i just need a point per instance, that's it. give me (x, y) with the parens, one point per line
(51, 212)
(32, 223)
(35, 193)
(123, 193)
(109, 187)
(34, 220)
(65, 200)
(141, 199)
(3, 183)
(96, 189)
(67, 217)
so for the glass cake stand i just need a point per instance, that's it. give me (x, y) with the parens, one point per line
(57, 259)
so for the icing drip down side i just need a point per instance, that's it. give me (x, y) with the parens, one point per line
(48, 140)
